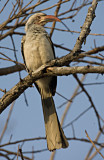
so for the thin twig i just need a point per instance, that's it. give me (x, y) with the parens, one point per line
(93, 144)
(7, 121)
(91, 149)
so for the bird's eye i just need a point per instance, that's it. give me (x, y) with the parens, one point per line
(38, 17)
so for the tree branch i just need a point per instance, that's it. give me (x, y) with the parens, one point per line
(60, 71)
(20, 87)
(12, 69)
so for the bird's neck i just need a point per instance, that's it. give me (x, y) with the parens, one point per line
(34, 29)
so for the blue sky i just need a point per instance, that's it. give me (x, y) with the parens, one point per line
(28, 122)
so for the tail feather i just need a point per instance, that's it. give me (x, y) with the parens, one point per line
(54, 133)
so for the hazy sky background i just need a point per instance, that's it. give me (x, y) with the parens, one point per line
(28, 122)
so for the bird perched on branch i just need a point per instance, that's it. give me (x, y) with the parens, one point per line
(37, 49)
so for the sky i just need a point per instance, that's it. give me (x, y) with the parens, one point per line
(28, 122)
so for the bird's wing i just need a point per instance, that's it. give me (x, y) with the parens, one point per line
(49, 39)
(22, 50)
(53, 82)
(22, 46)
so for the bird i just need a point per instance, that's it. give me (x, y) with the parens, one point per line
(37, 49)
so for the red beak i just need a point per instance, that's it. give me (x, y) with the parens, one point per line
(51, 18)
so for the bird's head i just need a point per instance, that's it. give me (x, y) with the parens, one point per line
(40, 19)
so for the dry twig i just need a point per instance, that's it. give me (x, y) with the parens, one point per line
(93, 144)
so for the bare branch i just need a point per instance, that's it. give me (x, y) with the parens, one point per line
(12, 69)
(7, 121)
(93, 144)
(20, 87)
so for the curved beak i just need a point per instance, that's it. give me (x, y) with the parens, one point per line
(50, 18)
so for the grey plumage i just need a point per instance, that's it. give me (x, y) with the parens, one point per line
(37, 49)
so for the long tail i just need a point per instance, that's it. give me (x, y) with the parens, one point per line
(54, 133)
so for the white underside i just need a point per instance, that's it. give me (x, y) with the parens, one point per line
(37, 52)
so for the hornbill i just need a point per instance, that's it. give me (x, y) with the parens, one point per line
(37, 49)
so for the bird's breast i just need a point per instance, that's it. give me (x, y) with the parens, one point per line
(37, 51)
